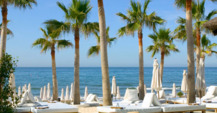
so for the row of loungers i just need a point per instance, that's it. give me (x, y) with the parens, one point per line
(210, 99)
(150, 104)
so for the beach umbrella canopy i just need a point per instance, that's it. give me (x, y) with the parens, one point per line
(44, 94)
(67, 94)
(12, 82)
(19, 91)
(200, 80)
(72, 92)
(48, 91)
(29, 87)
(85, 93)
(211, 25)
(174, 91)
(184, 85)
(156, 79)
(23, 89)
(41, 93)
(114, 86)
(62, 95)
(118, 93)
(145, 90)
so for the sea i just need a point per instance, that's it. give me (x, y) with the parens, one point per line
(92, 78)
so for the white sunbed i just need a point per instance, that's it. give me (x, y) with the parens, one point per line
(151, 104)
(57, 107)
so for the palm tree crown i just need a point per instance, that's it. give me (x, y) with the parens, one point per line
(77, 13)
(162, 41)
(94, 50)
(207, 47)
(50, 39)
(137, 18)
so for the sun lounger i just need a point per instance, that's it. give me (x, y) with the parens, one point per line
(57, 107)
(173, 108)
(22, 110)
(151, 104)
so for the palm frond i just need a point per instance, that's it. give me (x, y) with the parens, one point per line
(63, 44)
(23, 4)
(94, 50)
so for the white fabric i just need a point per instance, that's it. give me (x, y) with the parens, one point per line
(37, 99)
(48, 91)
(44, 94)
(41, 93)
(161, 94)
(200, 79)
(24, 100)
(114, 86)
(62, 95)
(71, 92)
(108, 109)
(118, 93)
(137, 89)
(67, 94)
(181, 107)
(85, 93)
(184, 85)
(150, 100)
(29, 87)
(19, 92)
(174, 91)
(145, 90)
(156, 79)
(212, 90)
(92, 98)
(57, 107)
(131, 95)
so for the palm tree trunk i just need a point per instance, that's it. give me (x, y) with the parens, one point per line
(76, 68)
(3, 34)
(162, 65)
(104, 58)
(54, 77)
(141, 66)
(197, 51)
(4, 28)
(190, 51)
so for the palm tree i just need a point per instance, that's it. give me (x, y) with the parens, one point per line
(76, 14)
(104, 57)
(187, 4)
(95, 49)
(207, 47)
(50, 42)
(198, 11)
(162, 41)
(22, 4)
(136, 19)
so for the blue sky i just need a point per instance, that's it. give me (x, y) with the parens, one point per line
(26, 24)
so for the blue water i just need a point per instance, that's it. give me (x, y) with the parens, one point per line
(91, 77)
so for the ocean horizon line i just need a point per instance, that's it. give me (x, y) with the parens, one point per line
(109, 67)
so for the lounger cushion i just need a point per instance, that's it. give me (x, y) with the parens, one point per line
(140, 109)
(22, 109)
(211, 90)
(55, 108)
(162, 94)
(131, 95)
(150, 100)
(181, 107)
